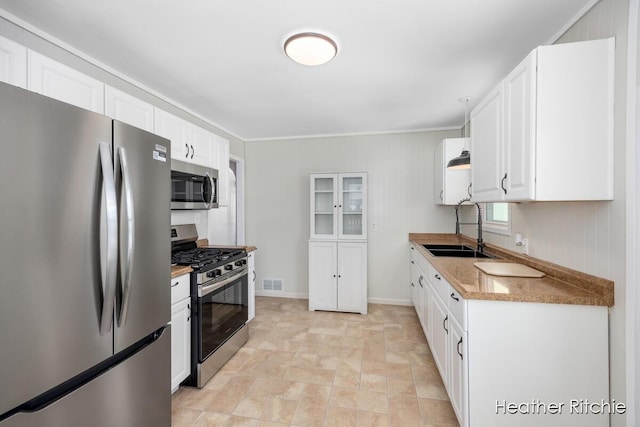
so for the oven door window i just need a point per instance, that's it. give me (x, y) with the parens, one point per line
(222, 313)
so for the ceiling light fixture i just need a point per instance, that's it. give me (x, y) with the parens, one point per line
(310, 48)
(463, 161)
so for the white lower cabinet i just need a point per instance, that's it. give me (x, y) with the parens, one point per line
(180, 331)
(251, 266)
(512, 363)
(338, 276)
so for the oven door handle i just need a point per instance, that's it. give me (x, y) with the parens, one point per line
(206, 290)
(111, 262)
(128, 202)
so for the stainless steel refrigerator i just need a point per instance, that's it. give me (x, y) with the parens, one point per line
(84, 268)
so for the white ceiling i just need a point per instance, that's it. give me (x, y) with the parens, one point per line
(401, 65)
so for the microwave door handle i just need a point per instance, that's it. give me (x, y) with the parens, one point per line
(128, 200)
(111, 264)
(205, 200)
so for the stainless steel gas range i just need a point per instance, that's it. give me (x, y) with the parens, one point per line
(219, 301)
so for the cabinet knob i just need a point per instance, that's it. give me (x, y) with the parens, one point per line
(175, 284)
(192, 151)
(437, 276)
(444, 324)
(469, 189)
(502, 183)
(458, 349)
(441, 198)
(453, 296)
(187, 154)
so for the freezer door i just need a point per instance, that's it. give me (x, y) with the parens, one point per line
(133, 393)
(51, 294)
(143, 179)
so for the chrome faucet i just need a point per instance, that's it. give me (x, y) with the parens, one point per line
(479, 223)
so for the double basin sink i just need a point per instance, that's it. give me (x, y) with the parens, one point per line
(457, 251)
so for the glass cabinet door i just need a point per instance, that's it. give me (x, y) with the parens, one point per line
(352, 206)
(324, 223)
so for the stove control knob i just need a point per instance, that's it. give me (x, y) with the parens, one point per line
(239, 263)
(228, 267)
(211, 273)
(217, 272)
(244, 261)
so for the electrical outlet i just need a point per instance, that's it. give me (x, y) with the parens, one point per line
(196, 218)
(374, 226)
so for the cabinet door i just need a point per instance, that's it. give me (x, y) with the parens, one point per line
(519, 122)
(251, 266)
(201, 142)
(220, 161)
(458, 371)
(56, 80)
(423, 302)
(352, 206)
(439, 324)
(177, 130)
(414, 285)
(352, 277)
(128, 109)
(180, 342)
(324, 206)
(323, 276)
(487, 172)
(13, 63)
(451, 185)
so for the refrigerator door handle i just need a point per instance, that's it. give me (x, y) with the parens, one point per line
(111, 266)
(128, 267)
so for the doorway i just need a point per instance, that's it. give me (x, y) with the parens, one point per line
(226, 224)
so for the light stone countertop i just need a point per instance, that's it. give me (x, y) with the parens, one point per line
(561, 285)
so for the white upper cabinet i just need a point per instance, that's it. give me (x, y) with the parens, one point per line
(128, 109)
(546, 131)
(189, 143)
(13, 63)
(339, 206)
(451, 185)
(220, 156)
(56, 80)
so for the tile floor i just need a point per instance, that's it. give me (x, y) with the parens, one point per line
(302, 368)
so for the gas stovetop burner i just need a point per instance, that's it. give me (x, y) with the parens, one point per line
(200, 258)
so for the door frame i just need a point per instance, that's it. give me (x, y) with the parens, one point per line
(240, 203)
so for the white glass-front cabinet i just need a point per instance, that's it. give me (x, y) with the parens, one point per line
(338, 246)
(339, 206)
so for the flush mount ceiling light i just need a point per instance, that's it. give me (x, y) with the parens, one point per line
(463, 161)
(310, 48)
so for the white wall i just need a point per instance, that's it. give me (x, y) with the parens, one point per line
(589, 236)
(400, 177)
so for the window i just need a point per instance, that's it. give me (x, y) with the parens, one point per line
(497, 218)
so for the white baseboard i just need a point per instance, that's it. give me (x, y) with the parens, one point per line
(281, 295)
(389, 301)
(384, 301)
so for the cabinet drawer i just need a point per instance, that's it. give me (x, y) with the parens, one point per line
(440, 284)
(458, 307)
(179, 288)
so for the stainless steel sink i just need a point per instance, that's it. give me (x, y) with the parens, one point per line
(456, 251)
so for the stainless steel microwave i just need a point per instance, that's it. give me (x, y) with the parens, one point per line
(193, 186)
